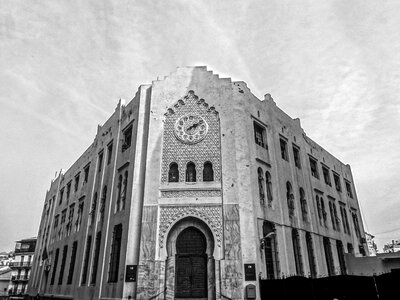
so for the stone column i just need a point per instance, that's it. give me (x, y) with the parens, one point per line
(211, 277)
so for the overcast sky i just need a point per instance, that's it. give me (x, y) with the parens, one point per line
(65, 64)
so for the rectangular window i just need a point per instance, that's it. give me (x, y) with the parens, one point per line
(356, 224)
(311, 256)
(109, 153)
(345, 220)
(327, 177)
(63, 261)
(53, 275)
(127, 138)
(100, 161)
(284, 152)
(336, 178)
(72, 263)
(61, 196)
(96, 258)
(314, 168)
(86, 171)
(260, 135)
(86, 261)
(328, 256)
(348, 189)
(76, 182)
(296, 155)
(342, 261)
(68, 190)
(297, 253)
(115, 254)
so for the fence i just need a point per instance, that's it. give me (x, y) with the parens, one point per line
(341, 287)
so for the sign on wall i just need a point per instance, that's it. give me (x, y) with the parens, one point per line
(130, 275)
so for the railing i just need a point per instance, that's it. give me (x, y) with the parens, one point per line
(20, 264)
(20, 277)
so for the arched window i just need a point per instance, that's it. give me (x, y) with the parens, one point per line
(269, 244)
(311, 256)
(173, 173)
(323, 210)
(268, 183)
(119, 187)
(319, 208)
(290, 198)
(191, 172)
(208, 173)
(261, 185)
(93, 209)
(303, 204)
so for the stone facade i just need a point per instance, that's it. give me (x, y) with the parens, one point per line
(195, 155)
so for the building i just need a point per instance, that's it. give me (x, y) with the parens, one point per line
(195, 189)
(371, 244)
(5, 278)
(381, 263)
(21, 266)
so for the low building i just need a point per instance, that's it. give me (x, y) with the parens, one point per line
(5, 278)
(373, 265)
(21, 266)
(195, 189)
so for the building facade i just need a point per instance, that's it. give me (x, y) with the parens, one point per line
(21, 266)
(195, 189)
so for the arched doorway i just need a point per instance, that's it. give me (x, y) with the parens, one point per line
(191, 264)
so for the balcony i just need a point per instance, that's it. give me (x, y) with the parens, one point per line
(20, 277)
(21, 264)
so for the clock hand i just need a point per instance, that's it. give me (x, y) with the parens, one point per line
(192, 126)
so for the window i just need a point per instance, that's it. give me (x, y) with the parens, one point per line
(355, 223)
(86, 261)
(127, 138)
(319, 209)
(284, 152)
(261, 185)
(70, 218)
(119, 192)
(327, 178)
(103, 203)
(64, 258)
(337, 221)
(76, 183)
(311, 256)
(124, 188)
(303, 205)
(328, 256)
(72, 262)
(290, 199)
(208, 173)
(86, 171)
(269, 186)
(296, 155)
(96, 258)
(92, 212)
(260, 135)
(173, 173)
(332, 215)
(314, 168)
(109, 153)
(340, 252)
(53, 275)
(191, 172)
(78, 221)
(338, 186)
(61, 196)
(68, 190)
(348, 189)
(297, 252)
(324, 214)
(345, 221)
(271, 251)
(115, 254)
(350, 248)
(63, 217)
(100, 161)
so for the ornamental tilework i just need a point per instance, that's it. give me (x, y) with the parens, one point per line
(191, 194)
(211, 214)
(182, 153)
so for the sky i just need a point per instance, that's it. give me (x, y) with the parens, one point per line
(64, 65)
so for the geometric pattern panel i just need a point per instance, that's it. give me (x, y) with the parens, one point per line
(211, 214)
(181, 153)
(190, 193)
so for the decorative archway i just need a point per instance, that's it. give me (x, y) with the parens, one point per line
(190, 265)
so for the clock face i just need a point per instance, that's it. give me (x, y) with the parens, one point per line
(191, 128)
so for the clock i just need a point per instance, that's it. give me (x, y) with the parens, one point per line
(190, 128)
